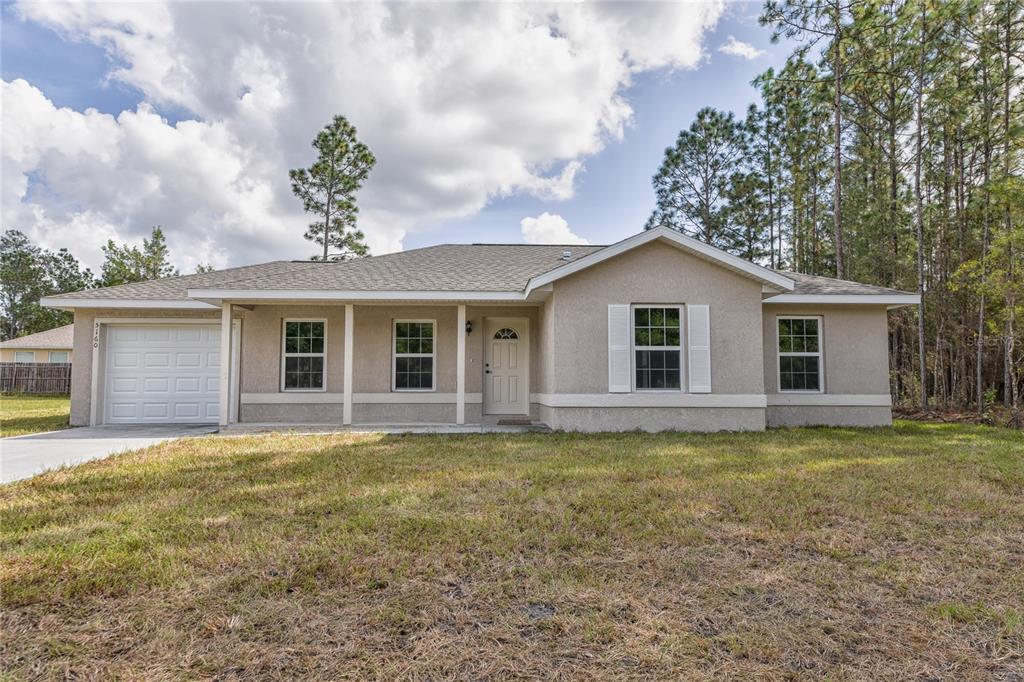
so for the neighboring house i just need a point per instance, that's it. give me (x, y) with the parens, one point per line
(658, 331)
(53, 345)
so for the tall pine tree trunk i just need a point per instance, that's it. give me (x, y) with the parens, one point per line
(1010, 387)
(837, 180)
(771, 178)
(986, 166)
(919, 217)
(894, 179)
(814, 221)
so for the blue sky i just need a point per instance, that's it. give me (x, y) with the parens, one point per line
(614, 196)
(75, 65)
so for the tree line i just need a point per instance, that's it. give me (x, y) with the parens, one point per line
(886, 149)
(29, 272)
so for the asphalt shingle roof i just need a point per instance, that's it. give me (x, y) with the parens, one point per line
(61, 337)
(174, 288)
(446, 267)
(816, 284)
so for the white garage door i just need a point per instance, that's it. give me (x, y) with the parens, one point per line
(162, 374)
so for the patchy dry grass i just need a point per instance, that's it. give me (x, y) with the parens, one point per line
(803, 554)
(23, 414)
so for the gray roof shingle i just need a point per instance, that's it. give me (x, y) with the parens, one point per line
(174, 288)
(816, 284)
(60, 337)
(445, 267)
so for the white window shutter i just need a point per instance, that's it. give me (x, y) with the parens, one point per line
(618, 349)
(698, 325)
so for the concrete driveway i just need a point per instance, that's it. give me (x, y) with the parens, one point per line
(25, 456)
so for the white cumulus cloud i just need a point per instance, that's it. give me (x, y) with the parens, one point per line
(738, 48)
(460, 102)
(548, 228)
(76, 179)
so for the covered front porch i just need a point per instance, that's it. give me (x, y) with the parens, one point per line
(380, 365)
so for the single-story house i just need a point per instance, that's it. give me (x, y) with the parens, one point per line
(658, 331)
(51, 346)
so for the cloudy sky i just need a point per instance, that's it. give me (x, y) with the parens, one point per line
(537, 123)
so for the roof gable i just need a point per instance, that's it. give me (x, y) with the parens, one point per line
(59, 337)
(774, 281)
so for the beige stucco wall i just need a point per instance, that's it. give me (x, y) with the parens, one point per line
(299, 413)
(408, 414)
(653, 419)
(544, 358)
(856, 355)
(577, 348)
(372, 345)
(475, 342)
(42, 353)
(261, 345)
(828, 415)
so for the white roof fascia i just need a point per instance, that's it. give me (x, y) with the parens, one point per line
(894, 300)
(58, 302)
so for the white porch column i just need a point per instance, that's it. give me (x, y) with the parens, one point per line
(460, 367)
(224, 387)
(349, 344)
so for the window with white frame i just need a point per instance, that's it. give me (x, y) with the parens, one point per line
(24, 356)
(800, 354)
(303, 349)
(59, 356)
(657, 348)
(413, 357)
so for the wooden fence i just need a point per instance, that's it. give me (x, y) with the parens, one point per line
(35, 377)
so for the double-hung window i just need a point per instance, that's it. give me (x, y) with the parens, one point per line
(59, 356)
(657, 348)
(800, 354)
(303, 350)
(24, 356)
(413, 357)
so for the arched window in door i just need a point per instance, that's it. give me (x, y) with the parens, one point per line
(506, 334)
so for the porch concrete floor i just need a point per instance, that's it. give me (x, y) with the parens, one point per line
(259, 428)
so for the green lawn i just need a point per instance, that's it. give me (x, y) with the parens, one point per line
(793, 554)
(21, 414)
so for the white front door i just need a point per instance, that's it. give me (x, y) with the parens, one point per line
(162, 373)
(506, 366)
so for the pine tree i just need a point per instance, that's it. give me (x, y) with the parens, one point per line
(328, 190)
(124, 263)
(693, 181)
